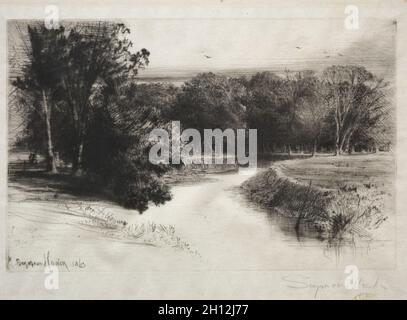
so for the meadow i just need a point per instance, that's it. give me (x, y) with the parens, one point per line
(341, 197)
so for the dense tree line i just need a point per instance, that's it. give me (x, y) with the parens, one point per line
(340, 109)
(83, 106)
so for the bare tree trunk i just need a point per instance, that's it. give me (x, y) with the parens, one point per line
(342, 146)
(77, 161)
(337, 138)
(289, 150)
(337, 147)
(347, 144)
(376, 148)
(346, 141)
(314, 147)
(51, 163)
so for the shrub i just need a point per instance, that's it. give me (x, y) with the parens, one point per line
(337, 215)
(117, 159)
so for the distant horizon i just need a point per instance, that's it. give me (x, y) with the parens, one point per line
(180, 49)
(177, 77)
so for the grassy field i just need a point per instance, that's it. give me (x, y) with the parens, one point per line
(335, 172)
(342, 197)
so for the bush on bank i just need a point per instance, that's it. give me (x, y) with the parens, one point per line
(337, 215)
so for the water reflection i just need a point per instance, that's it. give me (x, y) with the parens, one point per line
(230, 232)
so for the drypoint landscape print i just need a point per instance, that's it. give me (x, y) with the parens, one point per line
(201, 144)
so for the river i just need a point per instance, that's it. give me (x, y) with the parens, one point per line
(231, 233)
(227, 231)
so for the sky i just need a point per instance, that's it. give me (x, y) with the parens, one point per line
(182, 47)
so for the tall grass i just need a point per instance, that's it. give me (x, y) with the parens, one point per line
(149, 233)
(337, 215)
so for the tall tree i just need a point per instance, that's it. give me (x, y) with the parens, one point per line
(209, 101)
(265, 110)
(45, 51)
(99, 53)
(357, 98)
(297, 87)
(313, 114)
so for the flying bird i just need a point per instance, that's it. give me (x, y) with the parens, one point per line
(298, 48)
(207, 57)
(340, 54)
